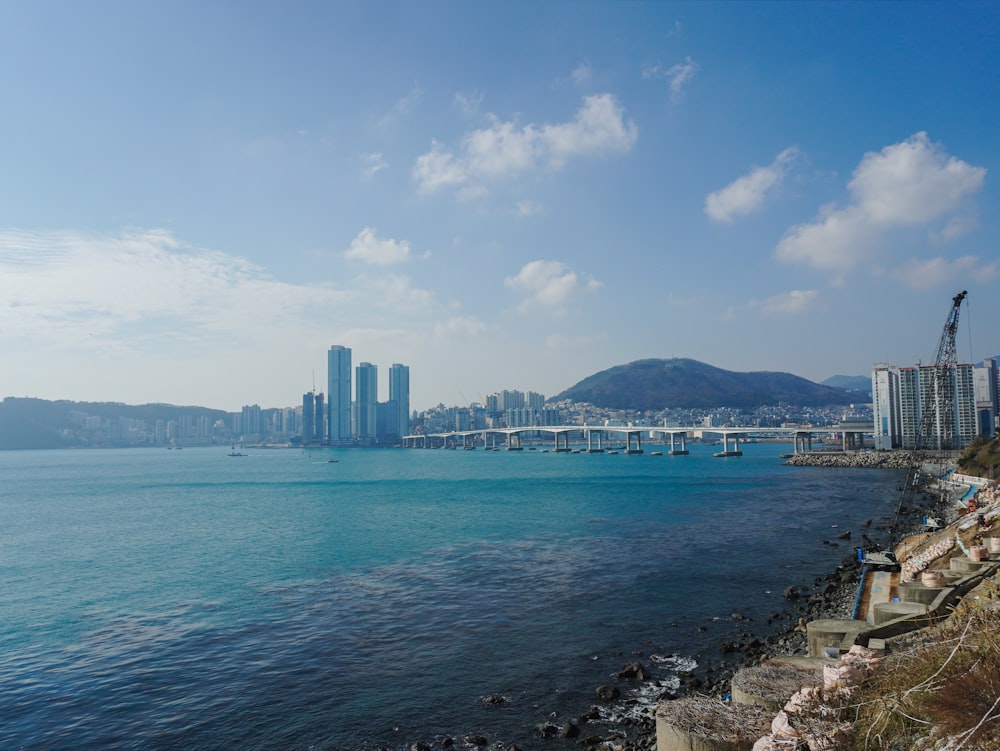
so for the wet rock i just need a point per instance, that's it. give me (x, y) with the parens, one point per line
(547, 730)
(608, 693)
(593, 714)
(792, 592)
(420, 746)
(494, 700)
(476, 740)
(633, 671)
(570, 730)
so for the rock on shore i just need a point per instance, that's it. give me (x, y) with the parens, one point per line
(860, 459)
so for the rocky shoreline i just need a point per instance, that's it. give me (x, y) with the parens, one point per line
(829, 596)
(622, 717)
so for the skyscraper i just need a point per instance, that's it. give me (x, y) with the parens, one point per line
(399, 392)
(338, 392)
(366, 399)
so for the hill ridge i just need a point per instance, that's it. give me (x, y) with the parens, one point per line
(656, 383)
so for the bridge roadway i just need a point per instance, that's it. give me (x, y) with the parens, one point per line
(852, 436)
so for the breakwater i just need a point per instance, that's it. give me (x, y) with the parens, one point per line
(853, 459)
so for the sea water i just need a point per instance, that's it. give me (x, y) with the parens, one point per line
(346, 599)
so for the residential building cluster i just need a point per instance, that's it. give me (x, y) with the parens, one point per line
(964, 400)
(504, 409)
(350, 414)
(960, 402)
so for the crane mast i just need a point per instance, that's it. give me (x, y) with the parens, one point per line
(937, 408)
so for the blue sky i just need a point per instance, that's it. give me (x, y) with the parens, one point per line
(198, 198)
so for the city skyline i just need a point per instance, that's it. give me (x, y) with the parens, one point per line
(198, 201)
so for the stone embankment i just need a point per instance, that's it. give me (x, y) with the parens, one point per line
(858, 459)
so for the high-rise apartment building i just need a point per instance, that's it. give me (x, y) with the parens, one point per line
(365, 402)
(957, 400)
(399, 392)
(338, 422)
(313, 418)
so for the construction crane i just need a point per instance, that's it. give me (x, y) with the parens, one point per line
(936, 429)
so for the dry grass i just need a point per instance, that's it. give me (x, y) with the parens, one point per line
(945, 685)
(716, 720)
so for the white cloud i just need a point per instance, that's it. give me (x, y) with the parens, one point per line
(403, 107)
(506, 149)
(746, 194)
(469, 104)
(582, 73)
(459, 326)
(549, 284)
(69, 289)
(527, 208)
(140, 316)
(372, 165)
(369, 248)
(911, 184)
(677, 76)
(789, 303)
(937, 272)
(398, 293)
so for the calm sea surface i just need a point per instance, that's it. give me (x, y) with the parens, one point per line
(155, 599)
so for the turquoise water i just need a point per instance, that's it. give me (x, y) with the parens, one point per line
(158, 599)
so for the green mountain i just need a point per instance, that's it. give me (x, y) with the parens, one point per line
(40, 424)
(850, 383)
(680, 382)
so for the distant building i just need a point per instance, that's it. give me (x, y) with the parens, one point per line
(399, 392)
(338, 421)
(903, 395)
(365, 402)
(313, 418)
(387, 422)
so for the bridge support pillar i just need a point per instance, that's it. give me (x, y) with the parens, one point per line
(591, 449)
(726, 451)
(674, 451)
(628, 442)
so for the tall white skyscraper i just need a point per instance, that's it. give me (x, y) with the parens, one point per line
(366, 401)
(399, 392)
(338, 395)
(902, 396)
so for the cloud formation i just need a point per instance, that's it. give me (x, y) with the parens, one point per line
(506, 149)
(550, 285)
(677, 76)
(372, 164)
(746, 194)
(369, 248)
(789, 303)
(911, 184)
(935, 272)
